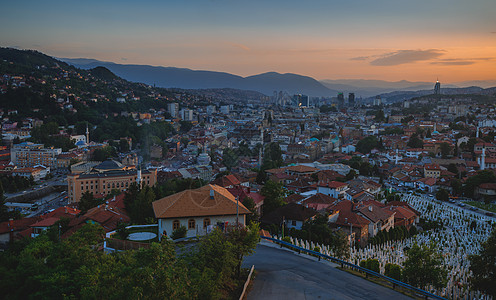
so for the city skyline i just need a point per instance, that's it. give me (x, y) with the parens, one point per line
(390, 40)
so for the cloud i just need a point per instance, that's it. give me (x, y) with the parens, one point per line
(454, 63)
(360, 58)
(406, 56)
(460, 61)
(240, 46)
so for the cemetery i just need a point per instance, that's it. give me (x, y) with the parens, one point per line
(461, 234)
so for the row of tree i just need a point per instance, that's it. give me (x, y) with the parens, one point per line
(12, 184)
(423, 267)
(74, 268)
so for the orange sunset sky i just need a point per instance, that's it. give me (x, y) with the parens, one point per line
(451, 40)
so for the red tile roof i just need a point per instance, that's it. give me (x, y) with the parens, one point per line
(198, 202)
(332, 184)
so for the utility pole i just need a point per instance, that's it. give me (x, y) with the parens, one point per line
(237, 210)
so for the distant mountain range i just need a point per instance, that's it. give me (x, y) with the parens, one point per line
(169, 77)
(266, 83)
(369, 88)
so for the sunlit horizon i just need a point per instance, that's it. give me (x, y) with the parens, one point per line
(452, 41)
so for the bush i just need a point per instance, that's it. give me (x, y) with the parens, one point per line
(316, 249)
(413, 231)
(123, 232)
(371, 264)
(179, 233)
(286, 239)
(393, 271)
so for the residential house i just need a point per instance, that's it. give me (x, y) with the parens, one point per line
(427, 184)
(380, 219)
(292, 215)
(486, 190)
(319, 202)
(432, 170)
(343, 215)
(334, 189)
(199, 210)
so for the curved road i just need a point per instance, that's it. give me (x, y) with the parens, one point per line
(283, 274)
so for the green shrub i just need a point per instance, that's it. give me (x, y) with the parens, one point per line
(393, 271)
(179, 233)
(122, 231)
(316, 249)
(371, 264)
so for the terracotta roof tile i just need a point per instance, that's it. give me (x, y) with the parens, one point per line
(198, 202)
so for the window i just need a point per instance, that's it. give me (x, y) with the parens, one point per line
(175, 224)
(191, 224)
(206, 222)
(293, 223)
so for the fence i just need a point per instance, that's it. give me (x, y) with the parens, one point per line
(115, 244)
(355, 267)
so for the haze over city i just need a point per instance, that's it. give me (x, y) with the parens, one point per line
(388, 40)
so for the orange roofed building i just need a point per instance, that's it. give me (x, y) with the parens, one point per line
(198, 210)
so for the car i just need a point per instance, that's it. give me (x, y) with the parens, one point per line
(490, 214)
(461, 204)
(473, 208)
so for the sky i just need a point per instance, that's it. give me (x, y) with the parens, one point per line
(422, 40)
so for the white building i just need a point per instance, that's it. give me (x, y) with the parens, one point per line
(198, 210)
(173, 109)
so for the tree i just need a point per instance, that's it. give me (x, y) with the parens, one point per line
(351, 175)
(244, 240)
(104, 153)
(4, 212)
(379, 116)
(415, 142)
(452, 168)
(123, 145)
(483, 267)
(428, 134)
(423, 267)
(179, 233)
(485, 176)
(442, 195)
(366, 144)
(371, 264)
(393, 271)
(274, 194)
(272, 156)
(229, 158)
(250, 204)
(445, 150)
(140, 207)
(87, 202)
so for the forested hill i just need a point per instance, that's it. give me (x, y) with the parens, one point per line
(36, 86)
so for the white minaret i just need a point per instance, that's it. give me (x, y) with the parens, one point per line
(87, 134)
(396, 158)
(138, 177)
(483, 159)
(477, 133)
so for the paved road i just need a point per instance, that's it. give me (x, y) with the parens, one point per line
(285, 275)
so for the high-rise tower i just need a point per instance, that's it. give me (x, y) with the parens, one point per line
(437, 88)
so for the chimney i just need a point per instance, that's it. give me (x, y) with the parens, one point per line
(211, 193)
(370, 208)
